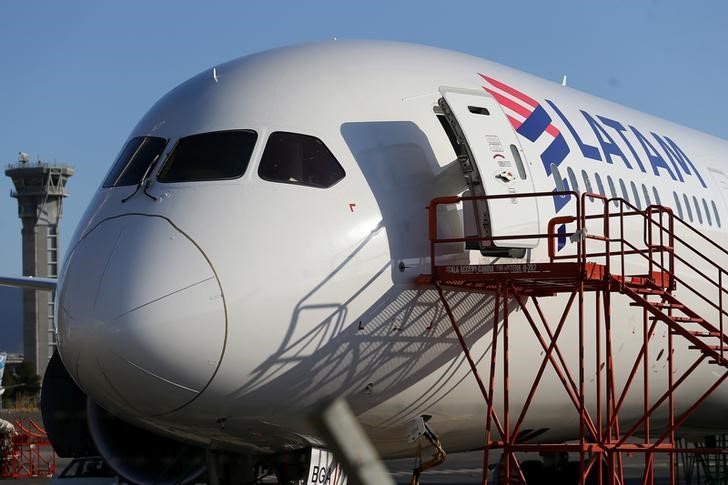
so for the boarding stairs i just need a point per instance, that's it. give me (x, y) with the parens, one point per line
(650, 256)
(705, 337)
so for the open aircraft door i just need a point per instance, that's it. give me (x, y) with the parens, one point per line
(493, 164)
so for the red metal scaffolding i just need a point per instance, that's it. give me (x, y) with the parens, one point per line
(616, 248)
(27, 453)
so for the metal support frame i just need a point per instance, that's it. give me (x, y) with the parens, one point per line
(27, 453)
(599, 265)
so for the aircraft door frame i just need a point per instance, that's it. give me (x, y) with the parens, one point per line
(493, 164)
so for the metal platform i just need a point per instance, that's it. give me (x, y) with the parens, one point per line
(606, 258)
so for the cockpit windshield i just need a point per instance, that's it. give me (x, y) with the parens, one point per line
(292, 158)
(217, 155)
(135, 160)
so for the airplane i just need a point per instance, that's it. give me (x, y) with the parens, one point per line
(255, 247)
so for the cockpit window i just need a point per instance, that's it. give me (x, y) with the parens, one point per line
(218, 155)
(135, 161)
(296, 159)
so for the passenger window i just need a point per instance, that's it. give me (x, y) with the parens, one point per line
(646, 193)
(636, 194)
(217, 155)
(587, 184)
(677, 205)
(697, 210)
(600, 185)
(623, 187)
(135, 161)
(715, 212)
(291, 158)
(657, 195)
(560, 187)
(519, 162)
(572, 179)
(707, 212)
(687, 208)
(612, 190)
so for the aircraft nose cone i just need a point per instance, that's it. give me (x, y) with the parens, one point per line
(141, 317)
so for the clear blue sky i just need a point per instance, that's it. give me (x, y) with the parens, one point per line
(75, 76)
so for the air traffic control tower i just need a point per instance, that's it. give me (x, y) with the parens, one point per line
(40, 188)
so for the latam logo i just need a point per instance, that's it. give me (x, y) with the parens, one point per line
(529, 118)
(531, 121)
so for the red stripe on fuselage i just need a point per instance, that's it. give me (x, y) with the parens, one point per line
(509, 103)
(514, 122)
(520, 109)
(553, 131)
(513, 92)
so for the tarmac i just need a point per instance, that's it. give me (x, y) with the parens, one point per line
(458, 469)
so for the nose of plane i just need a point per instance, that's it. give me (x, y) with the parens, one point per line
(141, 316)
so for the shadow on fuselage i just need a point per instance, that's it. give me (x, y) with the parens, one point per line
(405, 336)
(403, 173)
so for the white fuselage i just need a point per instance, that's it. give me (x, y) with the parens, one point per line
(226, 310)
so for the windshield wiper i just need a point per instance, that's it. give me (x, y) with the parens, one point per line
(141, 182)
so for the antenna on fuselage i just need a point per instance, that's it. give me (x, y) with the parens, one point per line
(563, 81)
(214, 73)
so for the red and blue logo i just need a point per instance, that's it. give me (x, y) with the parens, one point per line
(531, 121)
(635, 147)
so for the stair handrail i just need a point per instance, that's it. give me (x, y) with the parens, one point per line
(626, 209)
(606, 218)
(635, 250)
(691, 266)
(648, 253)
(454, 199)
